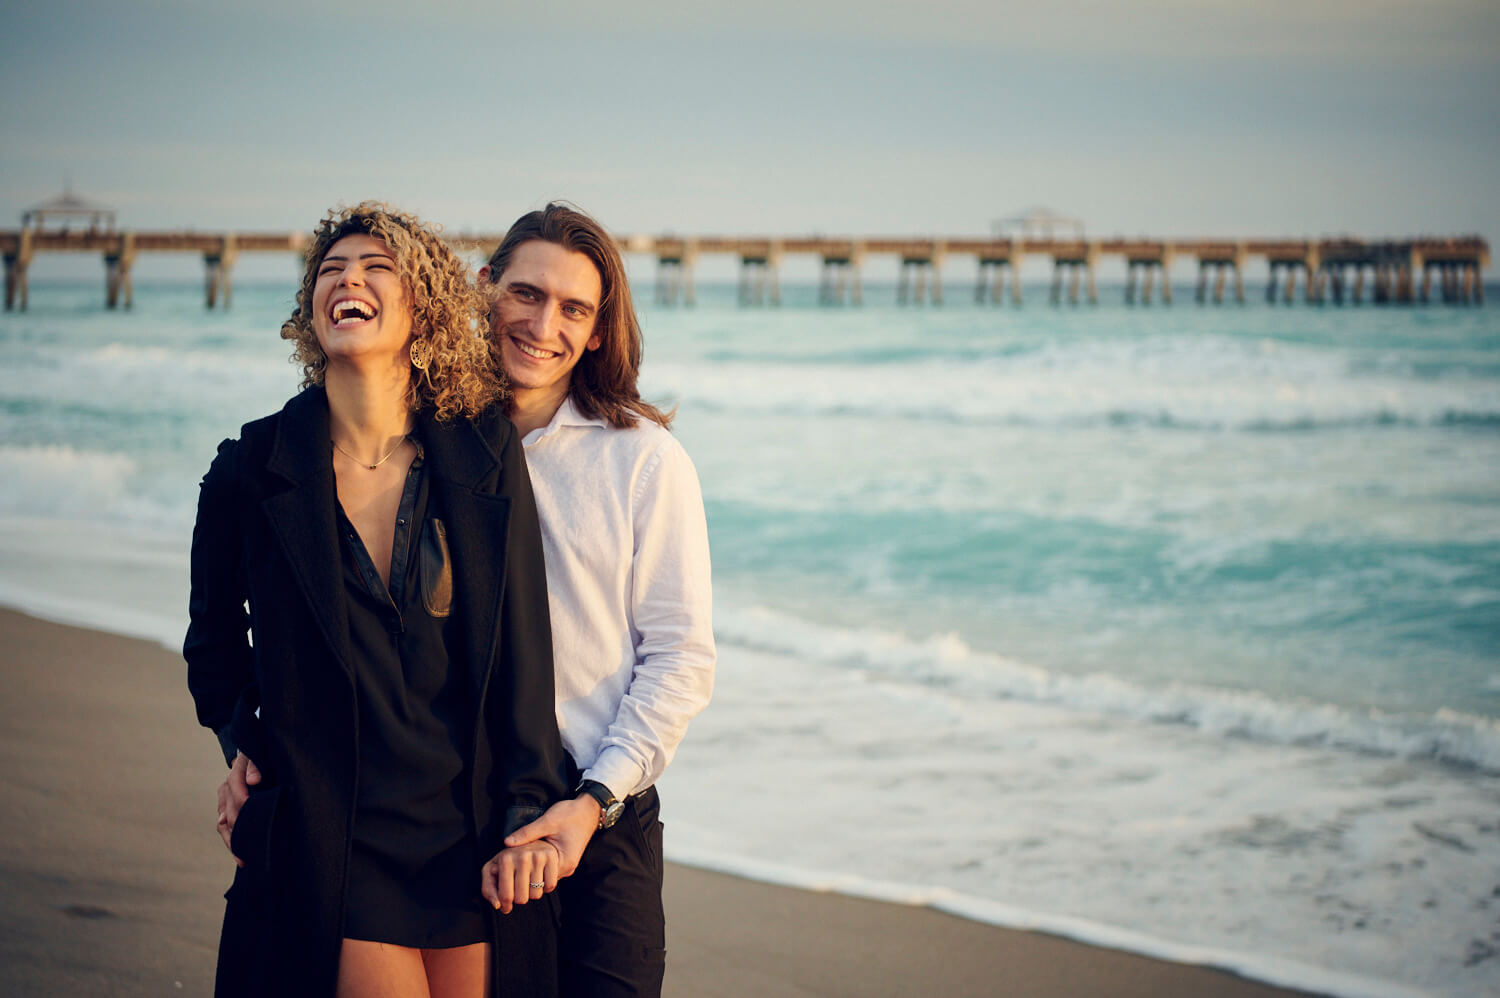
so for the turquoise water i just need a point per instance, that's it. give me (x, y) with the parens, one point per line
(1208, 595)
(1301, 502)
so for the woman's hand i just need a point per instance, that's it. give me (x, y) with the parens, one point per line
(519, 874)
(233, 793)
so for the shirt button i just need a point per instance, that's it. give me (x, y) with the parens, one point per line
(400, 522)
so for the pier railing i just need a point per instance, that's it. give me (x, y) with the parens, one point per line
(1399, 271)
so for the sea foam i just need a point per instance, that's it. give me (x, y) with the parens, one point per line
(61, 479)
(946, 661)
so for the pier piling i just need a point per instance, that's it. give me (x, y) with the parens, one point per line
(839, 280)
(1219, 263)
(1076, 261)
(1150, 258)
(218, 265)
(994, 261)
(760, 280)
(921, 277)
(117, 273)
(674, 271)
(17, 263)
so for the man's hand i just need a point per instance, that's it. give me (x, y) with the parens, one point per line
(568, 825)
(233, 793)
(518, 875)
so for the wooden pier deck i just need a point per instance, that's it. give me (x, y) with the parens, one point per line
(1400, 271)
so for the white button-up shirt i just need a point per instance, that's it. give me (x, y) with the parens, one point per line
(629, 589)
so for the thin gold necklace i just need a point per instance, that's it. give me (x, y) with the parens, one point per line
(369, 467)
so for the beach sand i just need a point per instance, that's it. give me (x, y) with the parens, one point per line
(112, 875)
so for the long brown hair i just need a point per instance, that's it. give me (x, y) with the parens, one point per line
(448, 311)
(603, 385)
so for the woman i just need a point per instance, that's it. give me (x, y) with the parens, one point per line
(397, 695)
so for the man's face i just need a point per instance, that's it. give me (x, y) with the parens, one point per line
(543, 318)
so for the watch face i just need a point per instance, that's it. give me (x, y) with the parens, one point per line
(611, 814)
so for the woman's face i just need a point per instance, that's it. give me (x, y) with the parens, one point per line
(361, 313)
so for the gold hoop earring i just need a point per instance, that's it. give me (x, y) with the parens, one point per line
(421, 354)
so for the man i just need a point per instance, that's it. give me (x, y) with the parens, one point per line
(626, 550)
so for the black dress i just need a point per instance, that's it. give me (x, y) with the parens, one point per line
(413, 866)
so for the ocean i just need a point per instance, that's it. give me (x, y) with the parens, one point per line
(1175, 629)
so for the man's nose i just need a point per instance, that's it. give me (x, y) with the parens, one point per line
(544, 316)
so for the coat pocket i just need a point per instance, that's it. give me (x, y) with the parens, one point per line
(251, 839)
(436, 569)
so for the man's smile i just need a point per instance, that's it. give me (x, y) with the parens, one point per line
(533, 351)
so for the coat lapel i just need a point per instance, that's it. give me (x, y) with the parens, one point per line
(465, 473)
(303, 518)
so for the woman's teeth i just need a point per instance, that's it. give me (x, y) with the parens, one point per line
(351, 311)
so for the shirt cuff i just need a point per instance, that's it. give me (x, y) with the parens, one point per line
(615, 770)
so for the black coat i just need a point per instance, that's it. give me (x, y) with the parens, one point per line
(266, 542)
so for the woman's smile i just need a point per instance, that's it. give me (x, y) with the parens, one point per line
(351, 311)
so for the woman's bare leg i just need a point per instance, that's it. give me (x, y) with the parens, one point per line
(460, 972)
(380, 970)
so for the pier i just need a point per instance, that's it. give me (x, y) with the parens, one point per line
(1338, 271)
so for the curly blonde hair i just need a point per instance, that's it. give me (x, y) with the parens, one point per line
(447, 310)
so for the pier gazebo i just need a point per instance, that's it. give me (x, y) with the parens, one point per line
(1076, 256)
(68, 207)
(96, 231)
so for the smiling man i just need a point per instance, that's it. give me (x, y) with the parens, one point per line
(626, 550)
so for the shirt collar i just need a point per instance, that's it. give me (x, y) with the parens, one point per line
(567, 414)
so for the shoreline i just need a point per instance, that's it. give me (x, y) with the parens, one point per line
(114, 875)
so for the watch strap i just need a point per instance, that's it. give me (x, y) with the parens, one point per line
(610, 807)
(596, 790)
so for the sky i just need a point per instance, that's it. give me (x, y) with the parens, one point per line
(1159, 117)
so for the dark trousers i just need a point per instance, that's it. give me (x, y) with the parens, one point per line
(613, 938)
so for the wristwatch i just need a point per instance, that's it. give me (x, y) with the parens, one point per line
(610, 808)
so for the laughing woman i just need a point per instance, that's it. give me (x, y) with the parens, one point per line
(378, 543)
